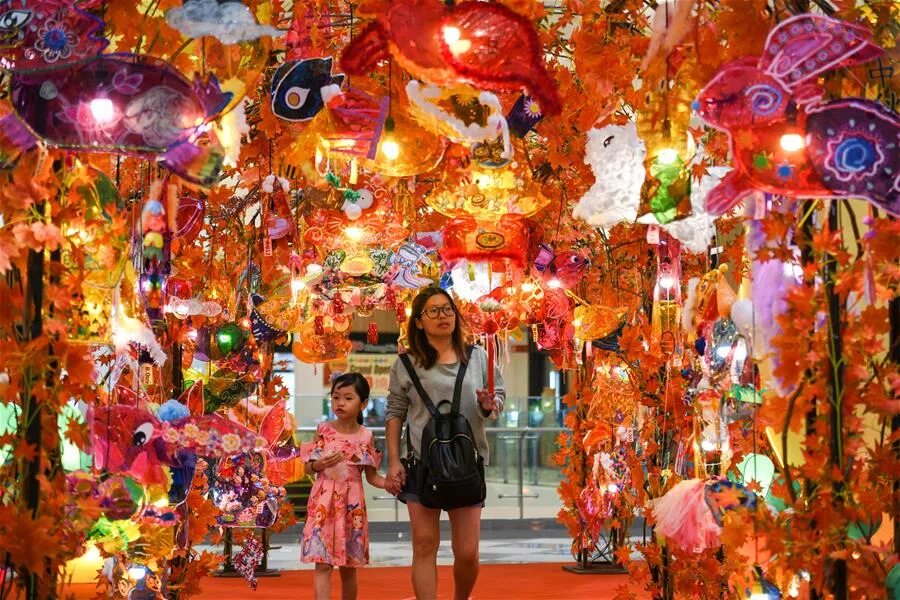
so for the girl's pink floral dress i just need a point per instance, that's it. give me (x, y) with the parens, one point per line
(337, 527)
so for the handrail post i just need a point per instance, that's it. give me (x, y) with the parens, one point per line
(521, 475)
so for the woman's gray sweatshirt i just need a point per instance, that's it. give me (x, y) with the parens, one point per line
(403, 400)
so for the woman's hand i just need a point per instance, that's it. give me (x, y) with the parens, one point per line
(488, 401)
(320, 464)
(396, 477)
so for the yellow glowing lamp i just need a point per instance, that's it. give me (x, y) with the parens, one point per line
(405, 149)
(84, 568)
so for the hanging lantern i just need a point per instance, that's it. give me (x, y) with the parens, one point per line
(503, 240)
(405, 149)
(666, 316)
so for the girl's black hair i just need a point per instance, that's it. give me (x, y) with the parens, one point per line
(359, 384)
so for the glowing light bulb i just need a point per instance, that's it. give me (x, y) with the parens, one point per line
(453, 37)
(708, 445)
(297, 286)
(451, 34)
(390, 149)
(667, 156)
(792, 142)
(554, 284)
(354, 233)
(613, 488)
(408, 311)
(667, 282)
(182, 310)
(102, 110)
(137, 572)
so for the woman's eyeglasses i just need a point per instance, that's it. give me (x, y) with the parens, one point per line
(435, 311)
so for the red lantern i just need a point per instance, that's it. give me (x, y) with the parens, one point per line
(505, 239)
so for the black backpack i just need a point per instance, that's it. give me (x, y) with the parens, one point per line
(449, 473)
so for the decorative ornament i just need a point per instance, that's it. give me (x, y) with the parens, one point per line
(564, 270)
(299, 88)
(487, 192)
(666, 317)
(666, 192)
(616, 154)
(524, 115)
(230, 22)
(405, 149)
(488, 45)
(157, 221)
(94, 102)
(461, 114)
(314, 344)
(355, 202)
(248, 560)
(503, 240)
(406, 266)
(785, 139)
(129, 439)
(690, 514)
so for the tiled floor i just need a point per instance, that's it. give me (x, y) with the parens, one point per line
(399, 553)
(503, 542)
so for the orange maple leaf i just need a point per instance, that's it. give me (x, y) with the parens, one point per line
(25, 451)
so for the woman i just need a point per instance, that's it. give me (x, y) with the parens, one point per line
(437, 348)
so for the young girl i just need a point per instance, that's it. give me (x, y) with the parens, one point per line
(336, 533)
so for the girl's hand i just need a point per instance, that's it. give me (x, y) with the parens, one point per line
(327, 462)
(396, 477)
(488, 401)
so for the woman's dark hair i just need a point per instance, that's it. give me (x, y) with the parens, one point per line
(359, 384)
(423, 353)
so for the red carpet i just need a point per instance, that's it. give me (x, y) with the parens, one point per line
(536, 581)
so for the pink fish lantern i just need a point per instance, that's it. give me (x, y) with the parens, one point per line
(564, 270)
(129, 439)
(785, 140)
(67, 94)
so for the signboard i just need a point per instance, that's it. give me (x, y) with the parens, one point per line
(376, 368)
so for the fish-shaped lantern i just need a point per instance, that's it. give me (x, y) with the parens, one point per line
(785, 139)
(485, 43)
(297, 88)
(64, 92)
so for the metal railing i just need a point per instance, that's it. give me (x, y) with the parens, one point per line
(524, 449)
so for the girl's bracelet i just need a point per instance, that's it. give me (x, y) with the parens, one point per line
(312, 465)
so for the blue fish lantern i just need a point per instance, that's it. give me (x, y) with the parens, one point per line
(297, 88)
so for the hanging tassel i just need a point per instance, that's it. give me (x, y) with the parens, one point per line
(372, 336)
(491, 341)
(337, 305)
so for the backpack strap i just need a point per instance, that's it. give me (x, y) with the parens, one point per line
(404, 358)
(426, 399)
(460, 375)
